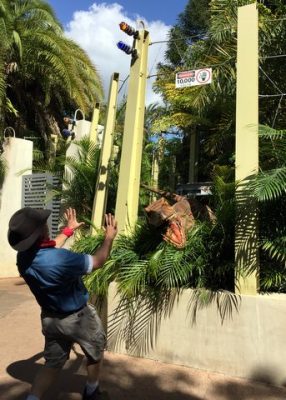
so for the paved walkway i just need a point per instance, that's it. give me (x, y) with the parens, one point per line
(124, 378)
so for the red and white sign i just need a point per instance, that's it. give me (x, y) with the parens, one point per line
(193, 78)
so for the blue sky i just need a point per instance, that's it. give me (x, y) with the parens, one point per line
(164, 10)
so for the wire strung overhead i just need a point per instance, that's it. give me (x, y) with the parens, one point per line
(276, 56)
(205, 36)
(280, 94)
(123, 83)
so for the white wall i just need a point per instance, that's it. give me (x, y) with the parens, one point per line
(82, 129)
(18, 154)
(250, 344)
(100, 133)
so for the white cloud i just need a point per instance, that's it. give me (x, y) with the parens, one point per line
(97, 32)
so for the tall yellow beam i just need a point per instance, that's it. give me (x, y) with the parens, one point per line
(247, 160)
(154, 177)
(100, 198)
(193, 162)
(130, 165)
(94, 124)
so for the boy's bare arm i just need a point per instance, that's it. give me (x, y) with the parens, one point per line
(102, 254)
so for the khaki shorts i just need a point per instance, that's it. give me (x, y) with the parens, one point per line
(83, 327)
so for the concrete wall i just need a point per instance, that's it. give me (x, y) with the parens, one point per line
(18, 154)
(250, 344)
(100, 133)
(82, 129)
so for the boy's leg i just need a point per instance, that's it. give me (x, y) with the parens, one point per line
(93, 370)
(92, 340)
(44, 379)
(91, 389)
(56, 353)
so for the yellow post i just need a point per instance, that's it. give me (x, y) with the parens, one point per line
(193, 163)
(154, 177)
(130, 165)
(54, 144)
(247, 161)
(99, 204)
(94, 124)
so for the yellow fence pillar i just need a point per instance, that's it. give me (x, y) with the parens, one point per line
(247, 160)
(130, 165)
(193, 163)
(94, 124)
(100, 198)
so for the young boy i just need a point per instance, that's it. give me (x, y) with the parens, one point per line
(54, 276)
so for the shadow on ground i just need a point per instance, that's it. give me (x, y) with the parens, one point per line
(118, 379)
(131, 378)
(24, 371)
(20, 283)
(261, 386)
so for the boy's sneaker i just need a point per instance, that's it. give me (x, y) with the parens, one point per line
(95, 395)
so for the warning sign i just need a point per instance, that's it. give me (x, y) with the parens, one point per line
(193, 78)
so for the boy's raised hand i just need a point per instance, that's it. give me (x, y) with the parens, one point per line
(110, 226)
(70, 216)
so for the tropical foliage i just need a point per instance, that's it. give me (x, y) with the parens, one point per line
(151, 273)
(43, 74)
(210, 110)
(269, 189)
(77, 175)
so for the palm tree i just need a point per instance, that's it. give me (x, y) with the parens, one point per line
(46, 73)
(19, 19)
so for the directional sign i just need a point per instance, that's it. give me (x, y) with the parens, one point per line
(193, 78)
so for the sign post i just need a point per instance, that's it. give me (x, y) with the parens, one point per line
(193, 78)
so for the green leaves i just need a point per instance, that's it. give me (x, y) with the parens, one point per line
(42, 73)
(268, 190)
(80, 178)
(269, 185)
(276, 249)
(149, 275)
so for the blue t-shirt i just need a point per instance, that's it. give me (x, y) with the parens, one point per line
(54, 277)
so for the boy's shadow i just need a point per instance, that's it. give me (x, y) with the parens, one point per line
(71, 378)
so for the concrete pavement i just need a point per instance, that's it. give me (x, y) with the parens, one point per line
(123, 377)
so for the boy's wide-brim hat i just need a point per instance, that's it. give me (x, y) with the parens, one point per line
(26, 227)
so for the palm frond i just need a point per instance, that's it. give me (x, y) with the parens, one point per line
(269, 185)
(136, 322)
(226, 302)
(276, 249)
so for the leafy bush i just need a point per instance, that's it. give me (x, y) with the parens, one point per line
(268, 188)
(150, 275)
